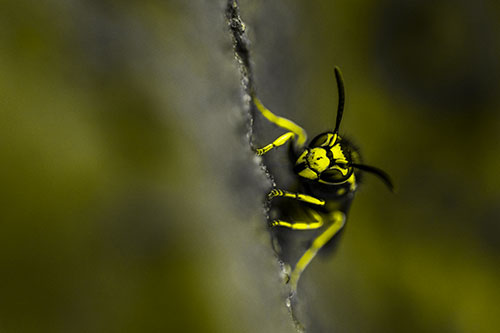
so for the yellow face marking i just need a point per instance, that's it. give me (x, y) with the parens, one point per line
(318, 160)
(343, 171)
(302, 157)
(309, 174)
(330, 141)
(338, 154)
(333, 140)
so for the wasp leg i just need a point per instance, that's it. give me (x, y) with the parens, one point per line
(282, 122)
(315, 224)
(276, 143)
(297, 196)
(338, 219)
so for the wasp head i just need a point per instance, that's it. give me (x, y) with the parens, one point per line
(327, 160)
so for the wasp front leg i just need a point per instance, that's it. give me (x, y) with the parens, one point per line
(276, 143)
(316, 222)
(338, 222)
(296, 196)
(282, 122)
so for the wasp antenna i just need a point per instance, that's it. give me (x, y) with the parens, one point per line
(340, 109)
(378, 172)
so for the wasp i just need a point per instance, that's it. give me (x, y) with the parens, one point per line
(328, 171)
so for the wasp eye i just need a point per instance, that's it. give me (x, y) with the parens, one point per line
(332, 176)
(335, 176)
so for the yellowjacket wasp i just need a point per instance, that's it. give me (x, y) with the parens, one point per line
(328, 170)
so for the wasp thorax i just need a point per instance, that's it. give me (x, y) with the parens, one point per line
(317, 159)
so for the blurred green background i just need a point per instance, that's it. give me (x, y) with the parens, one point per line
(131, 201)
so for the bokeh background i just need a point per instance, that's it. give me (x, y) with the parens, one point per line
(131, 201)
